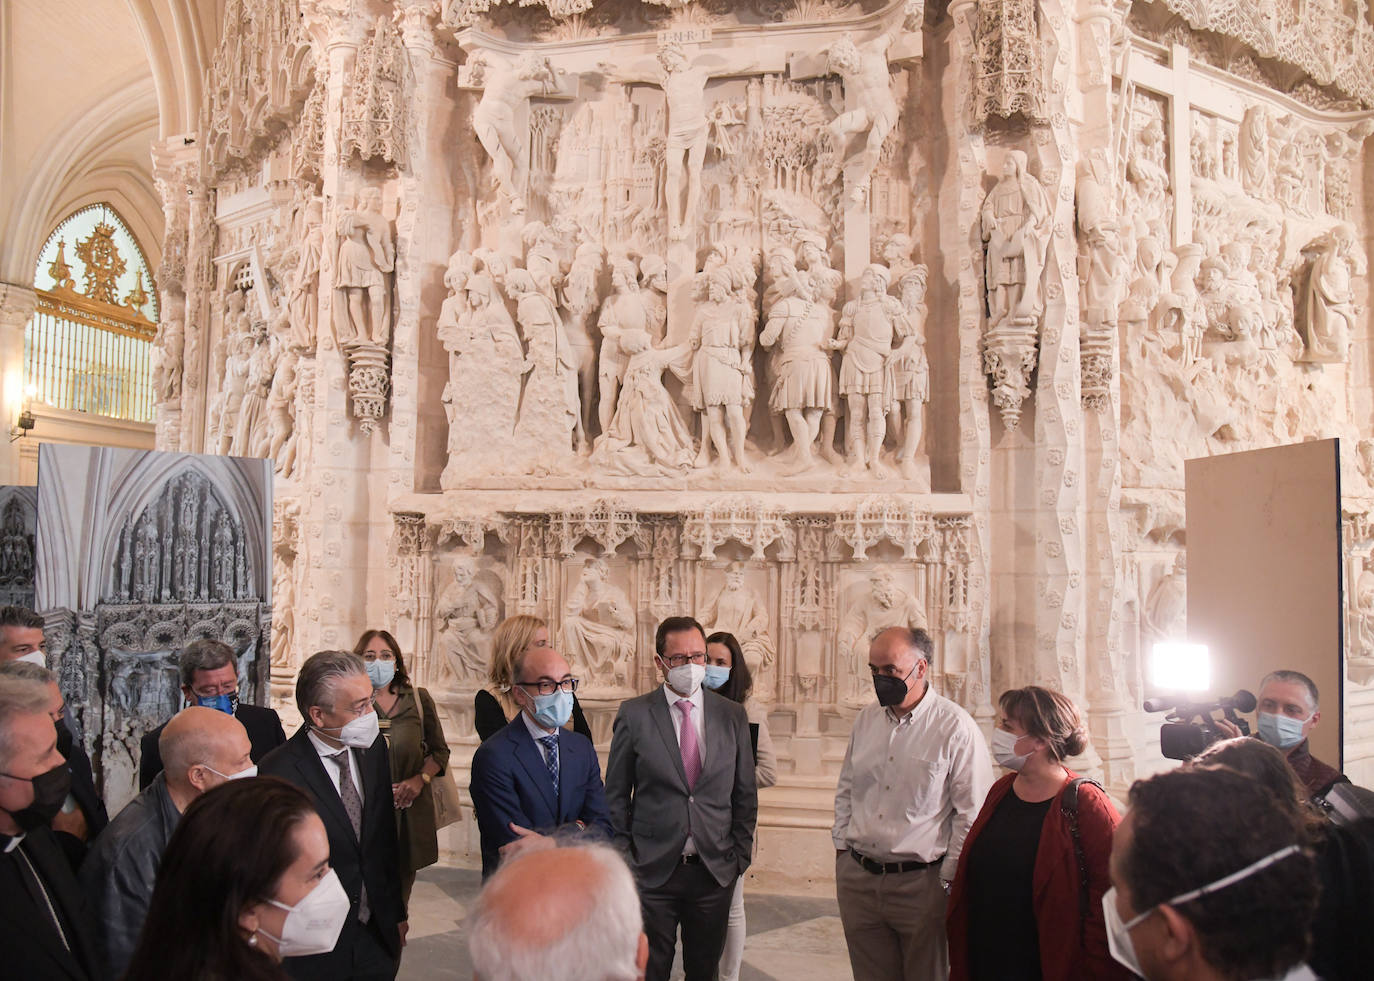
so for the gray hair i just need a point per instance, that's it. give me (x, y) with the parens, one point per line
(28, 671)
(18, 696)
(315, 683)
(204, 654)
(600, 944)
(1295, 678)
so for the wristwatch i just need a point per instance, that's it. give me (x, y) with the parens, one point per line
(426, 777)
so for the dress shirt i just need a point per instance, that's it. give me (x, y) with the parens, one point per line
(911, 787)
(331, 766)
(675, 713)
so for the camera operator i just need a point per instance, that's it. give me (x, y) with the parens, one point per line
(1342, 943)
(1288, 712)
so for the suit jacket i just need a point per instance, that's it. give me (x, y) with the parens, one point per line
(511, 783)
(264, 732)
(646, 789)
(374, 861)
(31, 946)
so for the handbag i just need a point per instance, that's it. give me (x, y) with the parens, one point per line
(448, 807)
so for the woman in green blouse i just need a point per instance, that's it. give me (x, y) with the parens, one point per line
(417, 747)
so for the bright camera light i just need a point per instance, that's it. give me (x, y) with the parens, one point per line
(1179, 666)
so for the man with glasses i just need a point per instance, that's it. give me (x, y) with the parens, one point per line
(535, 779)
(683, 802)
(210, 679)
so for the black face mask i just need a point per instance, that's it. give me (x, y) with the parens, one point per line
(64, 739)
(49, 792)
(889, 689)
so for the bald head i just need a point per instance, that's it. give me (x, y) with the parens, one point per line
(565, 914)
(200, 749)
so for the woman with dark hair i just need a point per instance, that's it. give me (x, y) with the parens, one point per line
(244, 882)
(1026, 902)
(728, 674)
(416, 744)
(1342, 943)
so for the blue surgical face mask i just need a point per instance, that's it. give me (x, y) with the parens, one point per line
(227, 704)
(553, 711)
(381, 672)
(1280, 731)
(716, 675)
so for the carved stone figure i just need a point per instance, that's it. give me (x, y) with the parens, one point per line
(884, 606)
(362, 272)
(250, 430)
(1016, 227)
(722, 339)
(283, 610)
(1331, 311)
(647, 436)
(804, 385)
(237, 369)
(866, 83)
(506, 88)
(910, 368)
(598, 628)
(653, 282)
(548, 411)
(1254, 152)
(281, 415)
(303, 303)
(171, 348)
(465, 614)
(1166, 606)
(627, 308)
(738, 610)
(579, 302)
(868, 328)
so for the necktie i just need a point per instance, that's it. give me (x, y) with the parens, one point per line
(687, 742)
(551, 758)
(353, 806)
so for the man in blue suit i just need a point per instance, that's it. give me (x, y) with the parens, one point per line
(535, 777)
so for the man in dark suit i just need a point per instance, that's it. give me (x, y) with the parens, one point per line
(210, 679)
(681, 792)
(44, 920)
(340, 759)
(535, 776)
(84, 817)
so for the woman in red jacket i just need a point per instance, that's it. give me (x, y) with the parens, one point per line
(1021, 907)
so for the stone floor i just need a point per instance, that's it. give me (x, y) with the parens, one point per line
(792, 937)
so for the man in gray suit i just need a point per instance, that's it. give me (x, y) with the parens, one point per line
(680, 789)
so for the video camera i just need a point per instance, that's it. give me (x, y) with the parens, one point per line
(1182, 738)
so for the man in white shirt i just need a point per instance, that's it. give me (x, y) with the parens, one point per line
(681, 793)
(913, 780)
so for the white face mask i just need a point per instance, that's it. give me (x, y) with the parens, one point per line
(313, 925)
(685, 679)
(34, 657)
(361, 733)
(1004, 750)
(252, 771)
(1119, 933)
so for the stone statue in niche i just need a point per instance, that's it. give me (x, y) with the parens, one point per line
(648, 436)
(868, 328)
(237, 368)
(1016, 227)
(804, 381)
(738, 610)
(506, 89)
(627, 308)
(1288, 179)
(548, 416)
(283, 609)
(1166, 606)
(1331, 313)
(1254, 152)
(722, 338)
(867, 86)
(362, 272)
(883, 606)
(598, 628)
(222, 559)
(684, 89)
(303, 302)
(911, 369)
(281, 414)
(465, 614)
(171, 348)
(250, 431)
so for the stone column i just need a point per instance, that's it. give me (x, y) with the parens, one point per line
(16, 307)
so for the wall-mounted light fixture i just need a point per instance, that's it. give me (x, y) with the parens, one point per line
(22, 428)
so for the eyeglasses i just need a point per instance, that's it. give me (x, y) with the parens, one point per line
(546, 687)
(678, 660)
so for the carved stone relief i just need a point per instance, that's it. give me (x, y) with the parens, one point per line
(18, 523)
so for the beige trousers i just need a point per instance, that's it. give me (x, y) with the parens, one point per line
(894, 925)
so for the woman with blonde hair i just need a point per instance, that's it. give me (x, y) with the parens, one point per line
(495, 708)
(1027, 899)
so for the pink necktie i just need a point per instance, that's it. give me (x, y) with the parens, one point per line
(687, 741)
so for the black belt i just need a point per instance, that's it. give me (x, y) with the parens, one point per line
(690, 860)
(891, 868)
